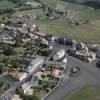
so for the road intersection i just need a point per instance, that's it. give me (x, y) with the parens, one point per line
(68, 85)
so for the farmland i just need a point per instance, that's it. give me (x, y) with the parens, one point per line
(85, 33)
(89, 32)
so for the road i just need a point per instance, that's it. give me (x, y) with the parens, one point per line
(68, 85)
(89, 75)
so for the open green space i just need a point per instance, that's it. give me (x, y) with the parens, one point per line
(86, 33)
(6, 4)
(86, 93)
(30, 12)
(83, 11)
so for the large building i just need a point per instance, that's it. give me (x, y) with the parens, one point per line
(32, 66)
(58, 60)
(31, 81)
(19, 76)
(60, 56)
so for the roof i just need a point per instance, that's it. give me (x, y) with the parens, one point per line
(55, 72)
(36, 60)
(17, 74)
(59, 55)
(25, 62)
(38, 75)
(33, 64)
(25, 85)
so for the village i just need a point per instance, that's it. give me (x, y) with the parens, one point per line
(32, 62)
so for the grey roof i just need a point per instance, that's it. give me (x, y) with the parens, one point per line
(36, 60)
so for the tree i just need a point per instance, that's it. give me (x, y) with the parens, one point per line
(32, 97)
(1, 69)
(8, 50)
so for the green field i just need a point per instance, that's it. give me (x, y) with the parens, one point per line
(30, 12)
(6, 4)
(87, 33)
(86, 93)
(84, 12)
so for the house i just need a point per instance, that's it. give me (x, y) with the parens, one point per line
(44, 41)
(58, 60)
(25, 87)
(32, 66)
(6, 39)
(2, 25)
(60, 56)
(17, 97)
(98, 54)
(34, 4)
(50, 38)
(80, 46)
(32, 28)
(65, 41)
(42, 35)
(8, 96)
(31, 81)
(55, 64)
(94, 47)
(85, 56)
(56, 73)
(26, 40)
(38, 75)
(18, 75)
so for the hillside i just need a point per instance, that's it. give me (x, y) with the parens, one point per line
(6, 4)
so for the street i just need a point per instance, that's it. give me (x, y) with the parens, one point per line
(90, 74)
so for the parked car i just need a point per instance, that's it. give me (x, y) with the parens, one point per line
(98, 64)
(65, 40)
(98, 54)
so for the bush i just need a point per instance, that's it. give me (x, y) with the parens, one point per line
(28, 97)
(75, 71)
(9, 51)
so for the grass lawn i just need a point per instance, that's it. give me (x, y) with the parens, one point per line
(86, 93)
(6, 4)
(86, 33)
(30, 12)
(83, 11)
(40, 93)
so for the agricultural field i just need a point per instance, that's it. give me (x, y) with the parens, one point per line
(30, 12)
(86, 93)
(86, 32)
(83, 11)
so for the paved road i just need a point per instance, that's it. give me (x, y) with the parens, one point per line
(89, 75)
